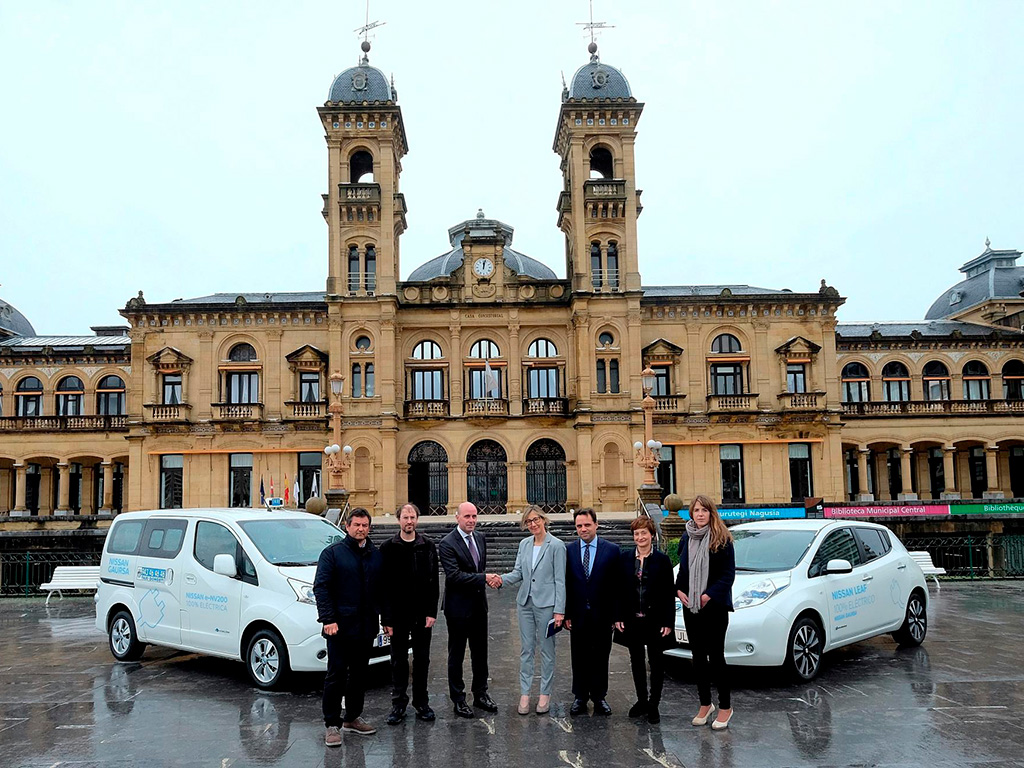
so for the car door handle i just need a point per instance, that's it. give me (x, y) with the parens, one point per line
(868, 578)
(901, 567)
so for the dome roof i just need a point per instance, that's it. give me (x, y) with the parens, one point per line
(597, 81)
(446, 263)
(992, 275)
(362, 83)
(13, 323)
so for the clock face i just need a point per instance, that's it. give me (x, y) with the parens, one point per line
(483, 267)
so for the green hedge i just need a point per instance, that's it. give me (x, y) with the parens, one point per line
(672, 550)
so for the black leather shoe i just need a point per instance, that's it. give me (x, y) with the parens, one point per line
(601, 707)
(485, 703)
(462, 709)
(397, 715)
(653, 715)
(639, 709)
(425, 713)
(578, 707)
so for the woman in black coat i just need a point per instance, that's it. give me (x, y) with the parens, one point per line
(646, 614)
(707, 570)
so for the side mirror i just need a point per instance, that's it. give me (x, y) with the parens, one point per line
(834, 566)
(225, 566)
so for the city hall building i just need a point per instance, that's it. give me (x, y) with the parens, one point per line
(487, 377)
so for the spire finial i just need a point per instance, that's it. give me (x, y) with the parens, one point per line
(593, 27)
(988, 244)
(364, 31)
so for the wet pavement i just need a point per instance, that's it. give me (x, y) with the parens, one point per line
(957, 700)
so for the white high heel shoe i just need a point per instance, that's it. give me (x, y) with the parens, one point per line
(721, 725)
(698, 720)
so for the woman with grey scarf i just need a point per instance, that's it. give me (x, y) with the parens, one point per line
(707, 569)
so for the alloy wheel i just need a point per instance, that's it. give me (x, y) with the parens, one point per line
(264, 660)
(806, 655)
(121, 636)
(916, 619)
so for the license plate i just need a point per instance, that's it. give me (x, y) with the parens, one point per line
(383, 641)
(681, 636)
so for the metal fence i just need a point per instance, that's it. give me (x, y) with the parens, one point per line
(21, 573)
(974, 556)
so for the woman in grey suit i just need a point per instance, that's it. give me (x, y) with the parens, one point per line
(540, 568)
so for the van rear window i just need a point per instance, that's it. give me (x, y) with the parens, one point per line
(164, 538)
(124, 539)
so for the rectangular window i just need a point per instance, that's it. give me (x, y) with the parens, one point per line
(353, 269)
(428, 384)
(30, 405)
(368, 381)
(595, 268)
(856, 392)
(602, 380)
(110, 403)
(309, 476)
(240, 479)
(171, 469)
(542, 382)
(936, 389)
(125, 536)
(357, 380)
(796, 378)
(613, 376)
(613, 266)
(662, 383)
(172, 389)
(726, 379)
(244, 387)
(163, 538)
(309, 387)
(800, 481)
(732, 472)
(479, 389)
(976, 389)
(371, 269)
(896, 390)
(69, 405)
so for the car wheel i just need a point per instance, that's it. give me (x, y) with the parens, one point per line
(806, 642)
(266, 659)
(915, 623)
(124, 640)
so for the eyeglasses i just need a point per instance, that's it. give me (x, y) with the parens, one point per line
(533, 521)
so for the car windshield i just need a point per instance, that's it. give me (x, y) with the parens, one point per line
(291, 542)
(770, 550)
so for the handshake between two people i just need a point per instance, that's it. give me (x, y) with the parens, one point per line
(494, 581)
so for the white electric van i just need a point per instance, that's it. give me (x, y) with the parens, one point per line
(234, 583)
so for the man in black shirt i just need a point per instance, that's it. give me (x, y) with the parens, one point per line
(409, 610)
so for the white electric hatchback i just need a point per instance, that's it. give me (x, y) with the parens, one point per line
(805, 587)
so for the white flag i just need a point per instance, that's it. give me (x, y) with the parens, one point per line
(313, 490)
(491, 383)
(295, 492)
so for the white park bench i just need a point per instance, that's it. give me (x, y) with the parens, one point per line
(924, 559)
(71, 577)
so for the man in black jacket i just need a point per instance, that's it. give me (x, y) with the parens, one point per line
(347, 589)
(409, 608)
(463, 554)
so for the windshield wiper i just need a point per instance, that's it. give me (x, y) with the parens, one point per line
(293, 564)
(755, 570)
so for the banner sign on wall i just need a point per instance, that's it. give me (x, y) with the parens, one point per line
(992, 508)
(763, 513)
(909, 510)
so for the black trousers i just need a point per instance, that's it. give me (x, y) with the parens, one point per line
(641, 634)
(400, 641)
(706, 631)
(590, 644)
(348, 658)
(472, 630)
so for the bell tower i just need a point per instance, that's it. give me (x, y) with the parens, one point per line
(599, 203)
(364, 208)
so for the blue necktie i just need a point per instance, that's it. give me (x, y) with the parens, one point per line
(586, 559)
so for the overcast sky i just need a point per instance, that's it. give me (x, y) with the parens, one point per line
(175, 147)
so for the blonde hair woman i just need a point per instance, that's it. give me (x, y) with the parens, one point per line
(707, 570)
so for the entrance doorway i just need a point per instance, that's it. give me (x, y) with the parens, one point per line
(487, 477)
(545, 476)
(428, 478)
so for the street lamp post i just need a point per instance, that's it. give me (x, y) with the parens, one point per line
(648, 453)
(338, 458)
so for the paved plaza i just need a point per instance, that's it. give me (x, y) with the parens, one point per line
(957, 700)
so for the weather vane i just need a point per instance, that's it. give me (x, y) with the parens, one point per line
(364, 30)
(593, 27)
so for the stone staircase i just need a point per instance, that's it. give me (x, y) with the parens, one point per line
(503, 537)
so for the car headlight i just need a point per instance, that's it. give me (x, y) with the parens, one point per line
(303, 591)
(757, 593)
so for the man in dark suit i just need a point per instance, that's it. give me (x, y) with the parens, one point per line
(463, 555)
(590, 599)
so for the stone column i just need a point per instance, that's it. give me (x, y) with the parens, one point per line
(516, 486)
(63, 489)
(20, 491)
(455, 369)
(882, 476)
(906, 472)
(992, 490)
(863, 490)
(108, 488)
(6, 477)
(456, 485)
(949, 472)
(514, 372)
(46, 500)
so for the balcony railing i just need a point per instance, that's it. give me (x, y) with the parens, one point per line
(550, 406)
(63, 423)
(605, 278)
(604, 189)
(933, 407)
(359, 193)
(668, 403)
(307, 410)
(361, 283)
(486, 407)
(162, 412)
(801, 401)
(426, 409)
(745, 402)
(237, 411)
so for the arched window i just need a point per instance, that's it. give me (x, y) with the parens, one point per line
(612, 460)
(601, 163)
(1013, 380)
(542, 348)
(110, 396)
(428, 478)
(976, 381)
(545, 476)
(371, 268)
(242, 353)
(353, 268)
(596, 273)
(362, 380)
(895, 382)
(726, 343)
(70, 394)
(28, 395)
(487, 477)
(936, 380)
(362, 470)
(427, 350)
(856, 383)
(484, 349)
(361, 167)
(613, 264)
